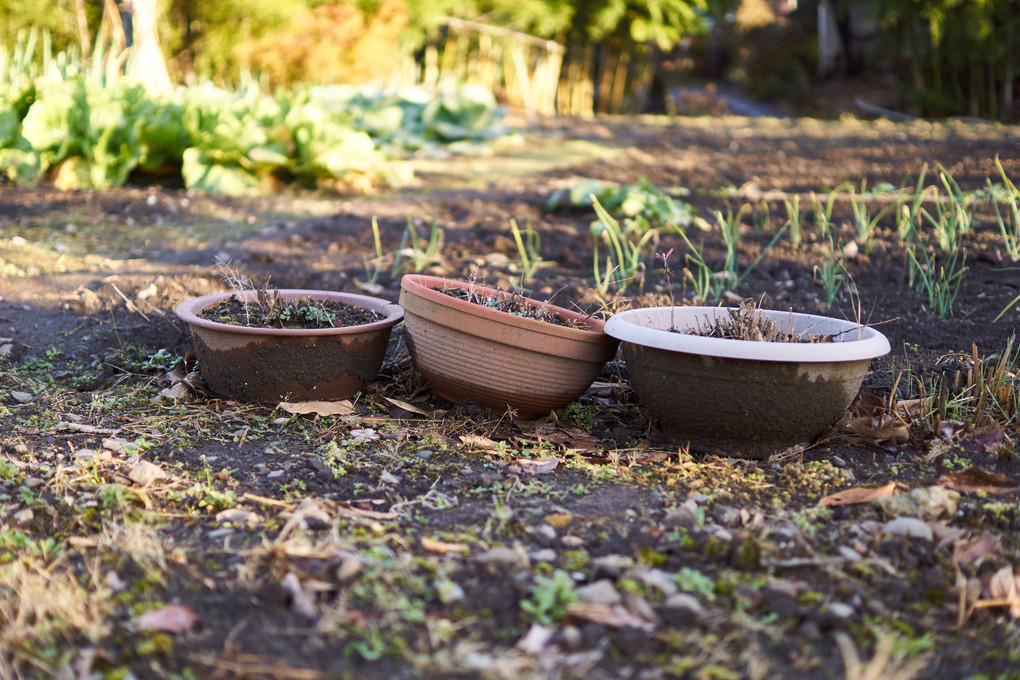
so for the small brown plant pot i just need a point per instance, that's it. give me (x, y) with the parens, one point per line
(472, 354)
(740, 397)
(266, 365)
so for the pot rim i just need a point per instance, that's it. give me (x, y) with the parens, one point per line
(424, 286)
(647, 327)
(189, 311)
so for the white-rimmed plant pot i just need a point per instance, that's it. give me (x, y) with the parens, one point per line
(740, 397)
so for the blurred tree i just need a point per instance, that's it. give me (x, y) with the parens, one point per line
(962, 53)
(56, 17)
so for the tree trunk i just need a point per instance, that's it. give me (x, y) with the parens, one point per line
(146, 63)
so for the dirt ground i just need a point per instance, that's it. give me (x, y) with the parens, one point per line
(402, 543)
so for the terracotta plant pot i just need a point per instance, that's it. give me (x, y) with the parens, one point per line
(266, 365)
(740, 397)
(494, 359)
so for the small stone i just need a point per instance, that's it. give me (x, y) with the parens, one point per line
(24, 516)
(21, 448)
(612, 566)
(21, 397)
(275, 474)
(500, 557)
(571, 637)
(424, 454)
(85, 454)
(911, 527)
(559, 520)
(387, 477)
(838, 462)
(849, 553)
(572, 541)
(32, 482)
(349, 568)
(663, 581)
(544, 555)
(546, 533)
(600, 592)
(681, 518)
(115, 444)
(449, 591)
(6, 349)
(927, 503)
(239, 518)
(726, 515)
(841, 610)
(682, 609)
(146, 473)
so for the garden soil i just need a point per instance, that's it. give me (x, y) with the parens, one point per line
(408, 537)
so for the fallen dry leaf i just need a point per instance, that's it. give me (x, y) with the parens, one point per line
(975, 479)
(976, 550)
(440, 547)
(1003, 592)
(173, 618)
(476, 443)
(411, 408)
(534, 466)
(559, 520)
(613, 616)
(859, 495)
(884, 430)
(301, 602)
(989, 441)
(567, 436)
(321, 408)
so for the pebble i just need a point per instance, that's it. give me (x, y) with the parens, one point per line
(544, 555)
(85, 454)
(927, 503)
(572, 637)
(849, 553)
(275, 474)
(682, 609)
(726, 515)
(841, 610)
(600, 592)
(21, 397)
(424, 454)
(349, 568)
(612, 566)
(559, 520)
(146, 473)
(911, 527)
(500, 556)
(682, 517)
(24, 516)
(546, 533)
(663, 581)
(114, 444)
(449, 591)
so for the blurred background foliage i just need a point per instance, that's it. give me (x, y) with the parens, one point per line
(577, 57)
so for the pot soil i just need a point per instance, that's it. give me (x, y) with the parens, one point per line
(266, 365)
(738, 397)
(474, 354)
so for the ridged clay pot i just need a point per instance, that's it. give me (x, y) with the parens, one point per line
(473, 354)
(739, 397)
(265, 365)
